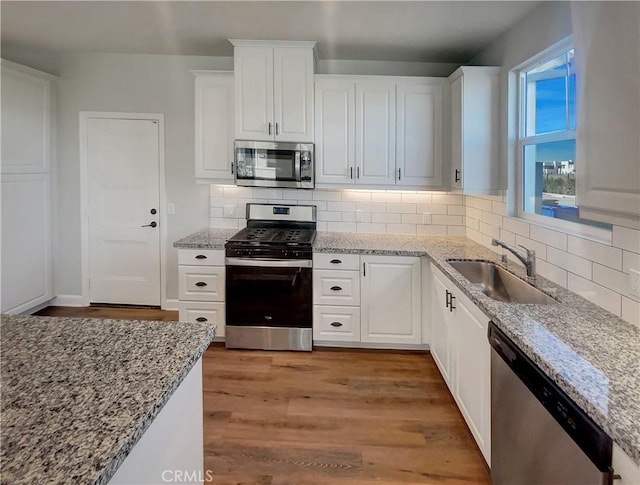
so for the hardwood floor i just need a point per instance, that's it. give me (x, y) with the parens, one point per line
(331, 416)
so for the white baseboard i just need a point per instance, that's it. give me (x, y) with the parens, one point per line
(69, 300)
(171, 304)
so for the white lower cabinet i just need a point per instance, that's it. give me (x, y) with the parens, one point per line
(201, 287)
(462, 353)
(370, 300)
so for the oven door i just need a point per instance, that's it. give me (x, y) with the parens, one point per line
(269, 293)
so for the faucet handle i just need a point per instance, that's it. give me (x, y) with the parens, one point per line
(530, 252)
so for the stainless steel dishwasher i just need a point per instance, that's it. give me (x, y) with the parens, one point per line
(539, 436)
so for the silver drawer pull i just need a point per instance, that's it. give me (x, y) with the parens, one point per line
(201, 283)
(336, 288)
(335, 261)
(335, 324)
(201, 319)
(201, 256)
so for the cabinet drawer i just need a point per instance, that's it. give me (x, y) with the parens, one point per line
(339, 323)
(201, 257)
(193, 311)
(201, 283)
(336, 261)
(336, 287)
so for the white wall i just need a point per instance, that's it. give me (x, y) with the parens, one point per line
(129, 83)
(598, 271)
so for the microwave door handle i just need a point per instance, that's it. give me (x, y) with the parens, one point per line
(297, 165)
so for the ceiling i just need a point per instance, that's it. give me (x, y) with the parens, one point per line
(418, 31)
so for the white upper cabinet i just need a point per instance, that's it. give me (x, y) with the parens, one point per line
(335, 130)
(419, 133)
(26, 119)
(474, 130)
(274, 90)
(608, 124)
(214, 126)
(379, 131)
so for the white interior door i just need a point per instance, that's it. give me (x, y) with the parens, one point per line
(124, 188)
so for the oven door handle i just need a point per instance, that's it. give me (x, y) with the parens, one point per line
(296, 166)
(270, 263)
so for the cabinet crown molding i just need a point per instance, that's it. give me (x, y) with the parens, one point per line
(471, 70)
(273, 43)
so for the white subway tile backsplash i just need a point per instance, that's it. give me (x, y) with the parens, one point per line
(297, 194)
(371, 206)
(327, 195)
(507, 236)
(456, 210)
(432, 208)
(417, 198)
(402, 208)
(631, 311)
(341, 206)
(516, 226)
(246, 192)
(401, 228)
(626, 238)
(612, 279)
(490, 218)
(447, 199)
(216, 191)
(594, 251)
(329, 216)
(349, 216)
(552, 272)
(474, 235)
(548, 236)
(473, 212)
(570, 262)
(412, 218)
(386, 218)
(499, 208)
(362, 216)
(482, 204)
(370, 228)
(267, 193)
(431, 230)
(456, 230)
(389, 197)
(356, 196)
(341, 226)
(447, 220)
(607, 299)
(630, 261)
(223, 223)
(487, 229)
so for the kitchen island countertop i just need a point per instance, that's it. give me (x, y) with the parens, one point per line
(593, 355)
(77, 394)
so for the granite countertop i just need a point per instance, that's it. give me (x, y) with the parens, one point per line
(593, 355)
(77, 394)
(208, 238)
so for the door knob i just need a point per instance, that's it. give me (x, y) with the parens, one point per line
(153, 224)
(153, 212)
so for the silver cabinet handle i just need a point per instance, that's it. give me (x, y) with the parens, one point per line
(276, 127)
(269, 127)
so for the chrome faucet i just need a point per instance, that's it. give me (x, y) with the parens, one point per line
(529, 260)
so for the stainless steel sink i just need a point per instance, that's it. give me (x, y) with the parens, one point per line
(499, 284)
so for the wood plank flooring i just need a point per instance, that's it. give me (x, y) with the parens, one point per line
(330, 417)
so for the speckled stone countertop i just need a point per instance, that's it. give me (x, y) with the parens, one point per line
(208, 238)
(77, 394)
(593, 355)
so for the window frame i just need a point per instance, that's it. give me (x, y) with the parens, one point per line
(522, 140)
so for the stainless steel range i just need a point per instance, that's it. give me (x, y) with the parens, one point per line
(269, 279)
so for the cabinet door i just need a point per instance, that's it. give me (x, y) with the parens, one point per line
(293, 94)
(253, 73)
(440, 327)
(214, 126)
(375, 132)
(336, 323)
(26, 119)
(26, 241)
(335, 131)
(336, 287)
(201, 283)
(390, 300)
(472, 354)
(456, 133)
(209, 312)
(419, 134)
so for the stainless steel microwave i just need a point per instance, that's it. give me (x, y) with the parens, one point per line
(268, 164)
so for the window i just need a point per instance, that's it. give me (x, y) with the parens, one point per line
(547, 141)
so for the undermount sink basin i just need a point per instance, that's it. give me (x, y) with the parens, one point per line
(499, 284)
